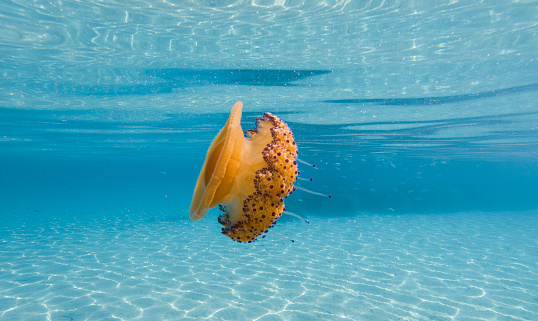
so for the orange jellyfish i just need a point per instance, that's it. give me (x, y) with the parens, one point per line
(248, 177)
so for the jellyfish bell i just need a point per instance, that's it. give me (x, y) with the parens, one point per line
(248, 177)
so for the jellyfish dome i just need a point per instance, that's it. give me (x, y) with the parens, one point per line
(247, 176)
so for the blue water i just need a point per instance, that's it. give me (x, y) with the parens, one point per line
(421, 117)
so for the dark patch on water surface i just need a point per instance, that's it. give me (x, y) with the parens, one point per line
(246, 77)
(437, 100)
(163, 81)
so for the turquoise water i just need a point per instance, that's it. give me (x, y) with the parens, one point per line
(421, 118)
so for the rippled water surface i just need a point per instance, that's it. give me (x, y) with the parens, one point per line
(421, 117)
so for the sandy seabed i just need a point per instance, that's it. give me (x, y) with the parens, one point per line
(464, 266)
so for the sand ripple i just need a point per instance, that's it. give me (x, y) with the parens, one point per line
(468, 266)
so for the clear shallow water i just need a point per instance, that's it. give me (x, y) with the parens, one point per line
(420, 115)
